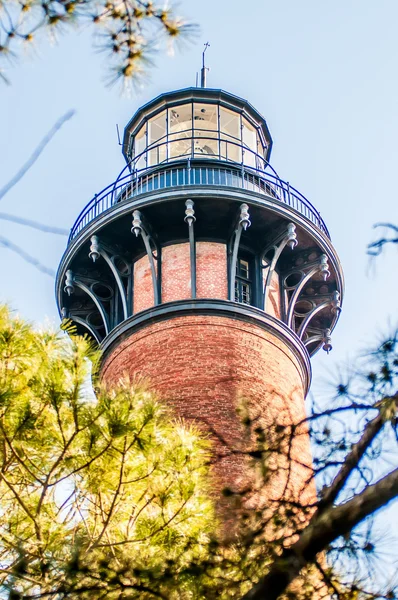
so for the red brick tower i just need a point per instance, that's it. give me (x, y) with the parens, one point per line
(200, 269)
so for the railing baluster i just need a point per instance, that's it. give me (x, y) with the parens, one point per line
(260, 181)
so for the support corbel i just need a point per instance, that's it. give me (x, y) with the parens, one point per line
(97, 249)
(324, 336)
(242, 223)
(190, 219)
(67, 315)
(286, 238)
(72, 281)
(141, 228)
(318, 266)
(333, 302)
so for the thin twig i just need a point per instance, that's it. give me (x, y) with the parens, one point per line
(36, 153)
(33, 224)
(27, 257)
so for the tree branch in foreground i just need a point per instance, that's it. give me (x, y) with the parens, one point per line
(322, 531)
(27, 257)
(33, 224)
(36, 153)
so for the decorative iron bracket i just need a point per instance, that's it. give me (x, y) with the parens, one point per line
(98, 249)
(242, 223)
(68, 315)
(333, 301)
(190, 219)
(73, 281)
(285, 238)
(307, 272)
(142, 227)
(324, 336)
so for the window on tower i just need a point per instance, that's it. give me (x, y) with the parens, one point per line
(205, 122)
(157, 130)
(243, 281)
(230, 131)
(180, 131)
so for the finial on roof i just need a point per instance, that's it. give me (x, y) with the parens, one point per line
(204, 68)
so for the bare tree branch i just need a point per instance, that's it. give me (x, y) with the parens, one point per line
(27, 257)
(351, 462)
(322, 531)
(33, 224)
(36, 153)
(375, 248)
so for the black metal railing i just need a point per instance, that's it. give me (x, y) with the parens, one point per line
(186, 170)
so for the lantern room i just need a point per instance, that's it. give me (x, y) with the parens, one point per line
(197, 123)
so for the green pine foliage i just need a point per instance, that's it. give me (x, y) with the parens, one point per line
(104, 495)
(129, 31)
(101, 496)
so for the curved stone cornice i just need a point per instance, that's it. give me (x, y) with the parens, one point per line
(196, 192)
(220, 308)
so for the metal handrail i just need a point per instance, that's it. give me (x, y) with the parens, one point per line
(195, 171)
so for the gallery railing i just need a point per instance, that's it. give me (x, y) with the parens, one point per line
(188, 170)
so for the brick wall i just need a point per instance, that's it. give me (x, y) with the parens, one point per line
(211, 270)
(204, 367)
(176, 272)
(143, 288)
(211, 274)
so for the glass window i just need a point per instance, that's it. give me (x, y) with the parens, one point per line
(180, 119)
(260, 146)
(231, 151)
(229, 123)
(230, 130)
(205, 122)
(180, 147)
(260, 152)
(157, 135)
(205, 145)
(243, 284)
(249, 139)
(180, 131)
(205, 116)
(157, 128)
(139, 147)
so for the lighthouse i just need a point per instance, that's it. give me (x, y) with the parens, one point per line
(203, 271)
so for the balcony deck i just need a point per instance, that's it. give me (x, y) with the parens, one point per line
(193, 172)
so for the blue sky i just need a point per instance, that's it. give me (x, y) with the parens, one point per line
(324, 75)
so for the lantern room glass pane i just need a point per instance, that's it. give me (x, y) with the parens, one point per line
(230, 131)
(261, 152)
(157, 155)
(180, 131)
(206, 144)
(205, 116)
(249, 139)
(229, 124)
(157, 136)
(157, 128)
(230, 151)
(180, 119)
(179, 146)
(205, 122)
(139, 147)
